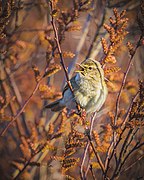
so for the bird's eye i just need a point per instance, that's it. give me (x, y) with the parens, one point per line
(90, 68)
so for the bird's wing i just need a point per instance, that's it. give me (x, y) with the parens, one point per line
(73, 83)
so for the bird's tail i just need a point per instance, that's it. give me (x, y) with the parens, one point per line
(55, 106)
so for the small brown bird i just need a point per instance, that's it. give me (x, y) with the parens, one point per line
(89, 89)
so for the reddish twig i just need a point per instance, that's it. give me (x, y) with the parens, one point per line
(96, 154)
(22, 124)
(124, 79)
(28, 161)
(21, 109)
(60, 54)
(91, 169)
(130, 166)
(110, 151)
(123, 84)
(118, 169)
(113, 143)
(86, 148)
(83, 160)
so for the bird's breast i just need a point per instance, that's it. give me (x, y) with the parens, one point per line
(86, 91)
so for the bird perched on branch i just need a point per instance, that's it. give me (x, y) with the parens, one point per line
(89, 89)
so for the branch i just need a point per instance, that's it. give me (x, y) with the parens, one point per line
(137, 146)
(93, 47)
(110, 152)
(124, 79)
(91, 169)
(81, 42)
(96, 154)
(60, 53)
(18, 100)
(28, 162)
(142, 156)
(123, 84)
(86, 148)
(21, 109)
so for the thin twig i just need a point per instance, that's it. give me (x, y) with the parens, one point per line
(117, 171)
(59, 49)
(130, 140)
(21, 110)
(83, 161)
(91, 169)
(93, 47)
(96, 154)
(86, 148)
(60, 54)
(81, 42)
(110, 151)
(124, 80)
(122, 86)
(18, 100)
(28, 161)
(130, 166)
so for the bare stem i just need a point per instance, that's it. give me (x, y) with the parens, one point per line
(124, 80)
(21, 110)
(28, 162)
(83, 176)
(97, 155)
(60, 52)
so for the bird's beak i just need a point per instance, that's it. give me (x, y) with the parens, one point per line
(81, 68)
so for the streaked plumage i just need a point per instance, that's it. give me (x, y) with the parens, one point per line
(89, 89)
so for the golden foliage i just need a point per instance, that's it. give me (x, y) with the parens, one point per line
(69, 163)
(96, 138)
(108, 133)
(95, 165)
(37, 73)
(66, 54)
(130, 48)
(24, 146)
(65, 136)
(48, 146)
(104, 45)
(117, 32)
(5, 15)
(52, 69)
(137, 111)
(48, 93)
(62, 127)
(67, 177)
(112, 70)
(74, 28)
(51, 129)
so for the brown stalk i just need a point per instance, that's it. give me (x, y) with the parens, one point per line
(83, 161)
(110, 151)
(124, 80)
(97, 155)
(121, 89)
(118, 169)
(93, 175)
(28, 161)
(22, 124)
(60, 53)
(83, 175)
(97, 33)
(130, 166)
(21, 109)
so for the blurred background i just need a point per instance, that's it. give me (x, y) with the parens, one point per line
(27, 40)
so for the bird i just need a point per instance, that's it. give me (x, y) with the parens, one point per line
(89, 89)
